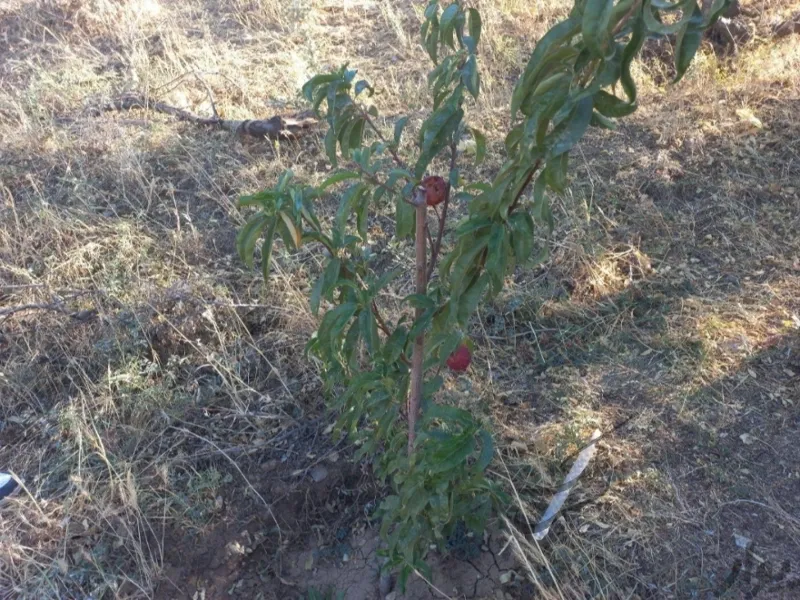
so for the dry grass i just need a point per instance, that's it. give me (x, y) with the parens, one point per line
(671, 296)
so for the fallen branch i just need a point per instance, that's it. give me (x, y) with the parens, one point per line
(275, 127)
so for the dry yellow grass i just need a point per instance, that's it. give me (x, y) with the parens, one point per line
(134, 410)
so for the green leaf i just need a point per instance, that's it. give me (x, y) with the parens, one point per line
(596, 21)
(452, 454)
(717, 9)
(522, 230)
(568, 132)
(347, 204)
(283, 181)
(487, 450)
(264, 199)
(688, 41)
(497, 256)
(466, 260)
(470, 76)
(295, 233)
(330, 145)
(316, 295)
(474, 25)
(329, 278)
(248, 236)
(357, 133)
(420, 301)
(338, 177)
(344, 137)
(447, 24)
(468, 301)
(432, 43)
(404, 218)
(266, 249)
(395, 344)
(541, 208)
(655, 25)
(437, 138)
(446, 414)
(369, 331)
(398, 129)
(599, 120)
(557, 35)
(362, 85)
(315, 82)
(556, 172)
(609, 105)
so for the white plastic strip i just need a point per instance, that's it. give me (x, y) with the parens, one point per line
(580, 464)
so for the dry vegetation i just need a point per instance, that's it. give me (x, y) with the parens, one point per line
(155, 399)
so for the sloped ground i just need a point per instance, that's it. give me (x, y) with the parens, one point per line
(155, 399)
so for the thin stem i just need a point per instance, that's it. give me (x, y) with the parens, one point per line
(381, 322)
(415, 397)
(437, 245)
(385, 328)
(381, 137)
(528, 179)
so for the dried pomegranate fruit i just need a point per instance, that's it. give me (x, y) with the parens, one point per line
(435, 190)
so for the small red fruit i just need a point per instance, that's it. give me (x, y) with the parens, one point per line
(435, 190)
(460, 359)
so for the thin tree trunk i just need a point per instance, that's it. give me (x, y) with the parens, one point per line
(415, 396)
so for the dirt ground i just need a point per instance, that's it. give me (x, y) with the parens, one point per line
(171, 434)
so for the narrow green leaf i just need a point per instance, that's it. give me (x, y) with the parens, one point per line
(432, 43)
(567, 134)
(398, 129)
(369, 331)
(480, 145)
(453, 454)
(294, 231)
(316, 295)
(688, 41)
(348, 202)
(344, 137)
(470, 77)
(404, 218)
(356, 134)
(487, 450)
(362, 85)
(338, 177)
(497, 256)
(522, 229)
(557, 35)
(420, 301)
(315, 82)
(468, 301)
(596, 21)
(655, 25)
(599, 120)
(248, 236)
(330, 145)
(556, 172)
(474, 25)
(266, 249)
(447, 24)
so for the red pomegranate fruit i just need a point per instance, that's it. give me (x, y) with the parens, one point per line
(435, 190)
(459, 360)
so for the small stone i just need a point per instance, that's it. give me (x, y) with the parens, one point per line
(318, 473)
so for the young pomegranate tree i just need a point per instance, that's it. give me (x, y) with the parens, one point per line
(382, 372)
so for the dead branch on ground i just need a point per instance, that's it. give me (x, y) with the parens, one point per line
(279, 127)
